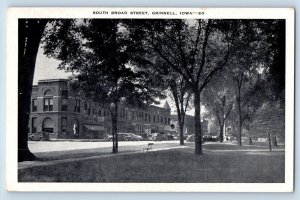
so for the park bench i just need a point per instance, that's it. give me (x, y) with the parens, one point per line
(149, 147)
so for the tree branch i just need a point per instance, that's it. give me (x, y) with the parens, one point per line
(205, 42)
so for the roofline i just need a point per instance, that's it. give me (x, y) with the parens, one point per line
(52, 80)
(175, 115)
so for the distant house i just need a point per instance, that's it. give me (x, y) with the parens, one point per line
(189, 125)
(62, 112)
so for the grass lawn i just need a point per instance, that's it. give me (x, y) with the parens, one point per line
(232, 165)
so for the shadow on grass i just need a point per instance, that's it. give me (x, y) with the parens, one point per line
(171, 166)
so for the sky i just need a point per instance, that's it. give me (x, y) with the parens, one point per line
(46, 68)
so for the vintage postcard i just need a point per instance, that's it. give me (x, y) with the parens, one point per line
(150, 99)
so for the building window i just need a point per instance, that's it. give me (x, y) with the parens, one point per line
(33, 125)
(120, 112)
(99, 113)
(48, 104)
(149, 118)
(165, 120)
(64, 104)
(89, 110)
(77, 105)
(48, 93)
(146, 117)
(65, 94)
(169, 121)
(161, 120)
(48, 100)
(48, 125)
(63, 124)
(34, 105)
(85, 106)
(153, 118)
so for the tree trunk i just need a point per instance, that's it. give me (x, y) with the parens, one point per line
(180, 117)
(181, 133)
(180, 113)
(221, 132)
(275, 142)
(197, 118)
(270, 142)
(240, 130)
(114, 123)
(29, 36)
(240, 120)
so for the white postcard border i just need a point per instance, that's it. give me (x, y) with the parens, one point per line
(84, 12)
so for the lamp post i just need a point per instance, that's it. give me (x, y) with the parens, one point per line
(114, 116)
(92, 133)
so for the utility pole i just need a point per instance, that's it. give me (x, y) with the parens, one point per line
(270, 142)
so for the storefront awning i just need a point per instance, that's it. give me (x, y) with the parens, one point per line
(94, 128)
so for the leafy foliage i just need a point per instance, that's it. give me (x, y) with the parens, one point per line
(218, 98)
(134, 61)
(101, 53)
(193, 49)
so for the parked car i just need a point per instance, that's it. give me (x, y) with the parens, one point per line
(109, 137)
(207, 138)
(133, 137)
(163, 137)
(190, 138)
(122, 136)
(170, 137)
(153, 136)
(39, 136)
(125, 137)
(215, 138)
(262, 139)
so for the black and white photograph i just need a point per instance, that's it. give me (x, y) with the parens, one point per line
(151, 99)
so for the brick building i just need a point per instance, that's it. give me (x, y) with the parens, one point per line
(62, 112)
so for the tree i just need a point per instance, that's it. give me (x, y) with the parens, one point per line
(195, 49)
(254, 67)
(248, 86)
(275, 32)
(270, 118)
(30, 32)
(102, 55)
(218, 99)
(247, 69)
(181, 96)
(179, 91)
